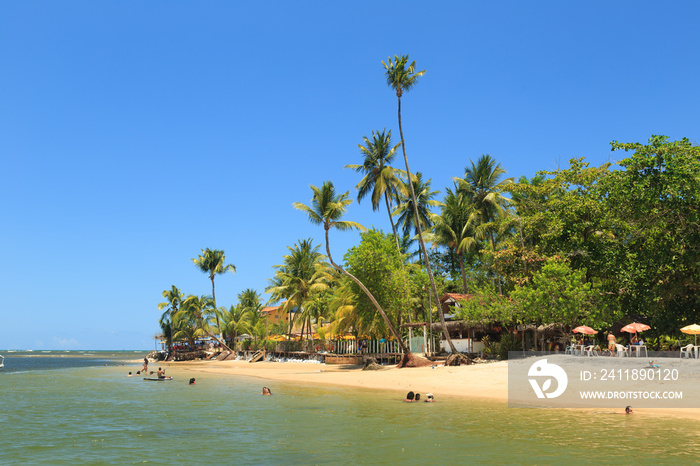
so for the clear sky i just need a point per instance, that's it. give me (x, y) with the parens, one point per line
(134, 134)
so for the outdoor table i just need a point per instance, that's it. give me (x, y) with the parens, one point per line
(638, 349)
(578, 350)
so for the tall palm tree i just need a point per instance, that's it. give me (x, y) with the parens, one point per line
(424, 200)
(173, 298)
(483, 185)
(402, 76)
(303, 274)
(381, 179)
(452, 228)
(213, 262)
(327, 208)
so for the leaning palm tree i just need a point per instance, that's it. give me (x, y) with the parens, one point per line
(402, 76)
(381, 180)
(483, 185)
(213, 262)
(452, 228)
(173, 298)
(327, 208)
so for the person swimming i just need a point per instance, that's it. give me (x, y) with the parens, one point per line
(628, 410)
(266, 391)
(429, 398)
(192, 381)
(410, 396)
(417, 398)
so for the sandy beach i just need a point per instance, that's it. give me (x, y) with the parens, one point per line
(485, 381)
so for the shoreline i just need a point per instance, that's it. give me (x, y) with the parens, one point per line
(485, 382)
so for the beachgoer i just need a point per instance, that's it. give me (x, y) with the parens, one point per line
(429, 398)
(192, 381)
(138, 372)
(634, 340)
(612, 341)
(410, 396)
(130, 375)
(161, 373)
(628, 410)
(145, 365)
(417, 398)
(266, 391)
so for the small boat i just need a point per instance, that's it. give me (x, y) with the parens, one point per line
(157, 379)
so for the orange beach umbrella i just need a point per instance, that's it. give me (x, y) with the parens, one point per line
(635, 327)
(693, 329)
(585, 329)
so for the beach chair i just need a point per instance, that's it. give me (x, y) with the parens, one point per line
(590, 351)
(622, 351)
(687, 351)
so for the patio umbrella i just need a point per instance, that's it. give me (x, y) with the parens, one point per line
(692, 330)
(635, 327)
(584, 329)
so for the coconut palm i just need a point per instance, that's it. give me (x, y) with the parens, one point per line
(327, 208)
(201, 310)
(173, 298)
(402, 76)
(303, 274)
(236, 321)
(483, 186)
(213, 262)
(424, 200)
(381, 180)
(452, 228)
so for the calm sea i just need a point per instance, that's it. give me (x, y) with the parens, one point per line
(81, 408)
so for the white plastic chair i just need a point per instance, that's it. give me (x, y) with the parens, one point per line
(687, 351)
(590, 351)
(622, 350)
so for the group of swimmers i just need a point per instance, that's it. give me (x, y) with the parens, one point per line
(415, 397)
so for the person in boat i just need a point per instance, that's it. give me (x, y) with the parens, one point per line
(161, 373)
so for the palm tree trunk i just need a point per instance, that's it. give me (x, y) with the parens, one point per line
(391, 219)
(493, 248)
(405, 350)
(420, 239)
(461, 269)
(213, 298)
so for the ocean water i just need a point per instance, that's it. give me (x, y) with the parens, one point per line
(80, 408)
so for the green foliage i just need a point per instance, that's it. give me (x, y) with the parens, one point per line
(377, 264)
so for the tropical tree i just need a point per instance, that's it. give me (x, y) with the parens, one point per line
(452, 228)
(402, 76)
(327, 208)
(381, 180)
(424, 201)
(173, 298)
(213, 262)
(303, 274)
(201, 311)
(236, 320)
(483, 185)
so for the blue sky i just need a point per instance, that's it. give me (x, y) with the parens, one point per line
(134, 134)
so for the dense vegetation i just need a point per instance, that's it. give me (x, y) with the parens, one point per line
(580, 245)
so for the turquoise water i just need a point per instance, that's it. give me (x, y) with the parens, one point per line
(69, 408)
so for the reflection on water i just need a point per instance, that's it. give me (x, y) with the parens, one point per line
(88, 412)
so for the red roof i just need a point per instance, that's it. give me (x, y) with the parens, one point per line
(456, 297)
